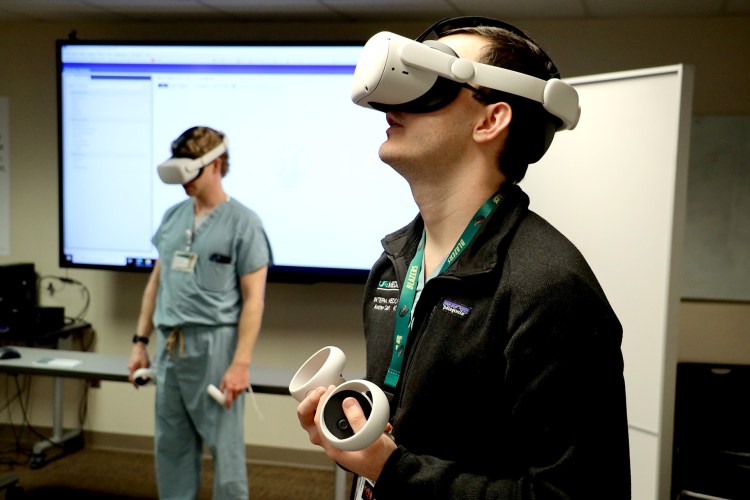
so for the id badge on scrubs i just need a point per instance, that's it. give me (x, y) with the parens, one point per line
(364, 489)
(184, 261)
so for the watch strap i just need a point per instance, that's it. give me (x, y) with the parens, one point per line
(137, 338)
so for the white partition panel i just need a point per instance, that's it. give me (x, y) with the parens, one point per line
(616, 186)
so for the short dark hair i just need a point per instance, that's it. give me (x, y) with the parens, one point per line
(531, 127)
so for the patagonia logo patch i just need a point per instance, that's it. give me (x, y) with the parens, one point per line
(454, 308)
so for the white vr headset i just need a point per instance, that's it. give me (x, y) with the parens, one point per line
(395, 72)
(184, 170)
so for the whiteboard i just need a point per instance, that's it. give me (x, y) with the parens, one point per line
(616, 187)
(717, 232)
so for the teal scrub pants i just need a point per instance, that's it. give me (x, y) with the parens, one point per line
(187, 418)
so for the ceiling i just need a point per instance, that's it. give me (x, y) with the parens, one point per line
(355, 10)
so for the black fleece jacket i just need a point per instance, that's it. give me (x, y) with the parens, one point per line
(512, 384)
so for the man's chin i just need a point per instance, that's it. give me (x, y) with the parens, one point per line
(386, 153)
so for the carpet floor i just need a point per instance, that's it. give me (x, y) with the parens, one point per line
(105, 474)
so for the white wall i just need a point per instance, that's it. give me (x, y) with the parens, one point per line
(301, 318)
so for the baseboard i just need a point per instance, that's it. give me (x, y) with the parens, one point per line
(267, 455)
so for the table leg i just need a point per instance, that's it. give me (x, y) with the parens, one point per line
(339, 483)
(65, 441)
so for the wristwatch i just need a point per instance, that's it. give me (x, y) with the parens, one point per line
(137, 338)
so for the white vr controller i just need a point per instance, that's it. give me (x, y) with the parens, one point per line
(215, 393)
(144, 376)
(325, 368)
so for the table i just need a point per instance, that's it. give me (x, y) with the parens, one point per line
(29, 364)
(52, 362)
(60, 363)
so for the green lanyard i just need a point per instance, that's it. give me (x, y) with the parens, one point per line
(409, 290)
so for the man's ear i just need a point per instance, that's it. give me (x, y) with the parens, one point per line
(216, 164)
(495, 123)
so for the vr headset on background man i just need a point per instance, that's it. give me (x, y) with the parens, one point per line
(183, 170)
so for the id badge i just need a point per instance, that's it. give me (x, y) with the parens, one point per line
(184, 261)
(364, 489)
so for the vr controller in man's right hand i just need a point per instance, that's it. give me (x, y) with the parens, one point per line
(324, 368)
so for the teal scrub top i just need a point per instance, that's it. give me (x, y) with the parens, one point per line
(230, 243)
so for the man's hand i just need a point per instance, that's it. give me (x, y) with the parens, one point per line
(368, 462)
(138, 359)
(236, 380)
